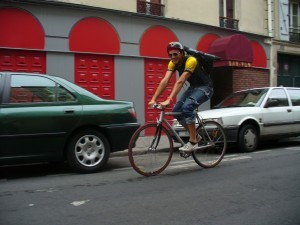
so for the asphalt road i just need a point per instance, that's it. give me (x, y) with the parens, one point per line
(260, 188)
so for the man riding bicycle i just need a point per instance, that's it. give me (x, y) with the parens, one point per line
(199, 91)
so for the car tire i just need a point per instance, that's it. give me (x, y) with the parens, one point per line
(88, 151)
(248, 138)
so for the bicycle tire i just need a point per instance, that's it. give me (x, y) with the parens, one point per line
(147, 160)
(212, 146)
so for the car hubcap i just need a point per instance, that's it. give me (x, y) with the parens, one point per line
(250, 139)
(89, 150)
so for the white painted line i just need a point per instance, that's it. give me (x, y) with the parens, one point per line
(224, 160)
(237, 158)
(183, 162)
(262, 151)
(181, 166)
(293, 148)
(228, 156)
(49, 190)
(79, 203)
(190, 163)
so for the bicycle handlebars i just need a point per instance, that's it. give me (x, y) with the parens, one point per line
(157, 106)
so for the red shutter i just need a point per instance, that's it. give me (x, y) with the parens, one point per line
(96, 74)
(22, 61)
(155, 70)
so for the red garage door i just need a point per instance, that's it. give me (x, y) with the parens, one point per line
(96, 74)
(155, 70)
(154, 44)
(22, 61)
(21, 30)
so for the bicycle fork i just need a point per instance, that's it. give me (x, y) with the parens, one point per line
(156, 138)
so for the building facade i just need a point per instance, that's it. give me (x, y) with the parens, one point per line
(285, 44)
(117, 49)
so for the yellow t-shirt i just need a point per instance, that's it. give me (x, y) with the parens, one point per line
(190, 65)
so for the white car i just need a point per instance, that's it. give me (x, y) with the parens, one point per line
(252, 115)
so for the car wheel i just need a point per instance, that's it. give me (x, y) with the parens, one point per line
(88, 151)
(248, 138)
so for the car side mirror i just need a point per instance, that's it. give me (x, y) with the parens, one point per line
(272, 103)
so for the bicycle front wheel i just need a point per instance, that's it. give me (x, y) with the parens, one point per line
(212, 146)
(150, 149)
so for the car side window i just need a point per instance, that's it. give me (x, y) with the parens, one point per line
(29, 89)
(295, 96)
(278, 98)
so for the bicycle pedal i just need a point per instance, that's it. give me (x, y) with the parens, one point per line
(185, 154)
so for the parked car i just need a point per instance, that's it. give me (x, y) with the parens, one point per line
(250, 116)
(47, 118)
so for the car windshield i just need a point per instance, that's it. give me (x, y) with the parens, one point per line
(249, 98)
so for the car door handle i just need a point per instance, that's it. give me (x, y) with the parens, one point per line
(68, 111)
(289, 110)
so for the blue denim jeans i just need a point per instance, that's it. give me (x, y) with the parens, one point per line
(191, 99)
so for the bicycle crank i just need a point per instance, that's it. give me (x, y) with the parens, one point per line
(184, 154)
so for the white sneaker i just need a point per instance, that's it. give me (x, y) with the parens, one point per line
(189, 147)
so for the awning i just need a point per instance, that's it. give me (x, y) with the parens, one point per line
(234, 50)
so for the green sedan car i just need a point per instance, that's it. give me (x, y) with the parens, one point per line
(46, 118)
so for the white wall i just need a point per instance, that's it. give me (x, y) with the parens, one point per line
(199, 11)
(252, 16)
(123, 5)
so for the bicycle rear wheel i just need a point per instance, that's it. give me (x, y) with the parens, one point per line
(213, 145)
(150, 149)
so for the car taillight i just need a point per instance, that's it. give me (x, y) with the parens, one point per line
(132, 112)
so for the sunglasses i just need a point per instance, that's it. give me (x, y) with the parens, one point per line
(175, 54)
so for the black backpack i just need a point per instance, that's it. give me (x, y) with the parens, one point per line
(206, 60)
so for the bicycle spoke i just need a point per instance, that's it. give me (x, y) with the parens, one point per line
(213, 145)
(150, 150)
